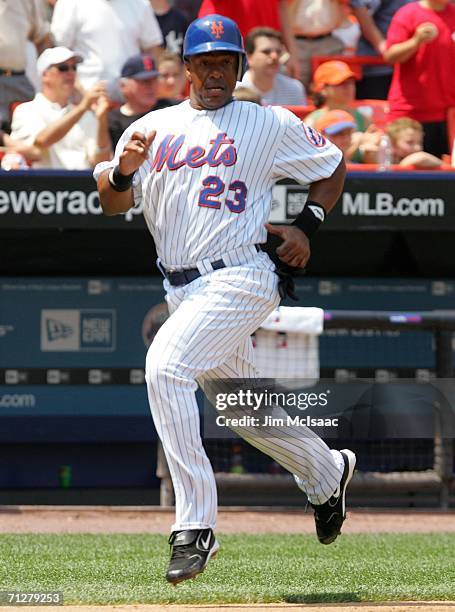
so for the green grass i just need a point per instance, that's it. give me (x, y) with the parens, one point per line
(120, 568)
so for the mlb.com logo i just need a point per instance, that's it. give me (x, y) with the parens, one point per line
(78, 330)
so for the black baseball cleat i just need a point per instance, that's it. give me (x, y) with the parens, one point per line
(192, 549)
(330, 516)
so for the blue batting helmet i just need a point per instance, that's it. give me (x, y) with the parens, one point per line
(214, 33)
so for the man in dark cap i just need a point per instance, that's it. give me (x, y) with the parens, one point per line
(138, 84)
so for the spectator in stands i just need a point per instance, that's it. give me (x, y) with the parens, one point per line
(334, 87)
(31, 50)
(10, 146)
(173, 25)
(314, 22)
(247, 94)
(20, 21)
(338, 126)
(13, 161)
(189, 8)
(374, 19)
(348, 31)
(172, 80)
(249, 14)
(105, 34)
(406, 136)
(358, 147)
(139, 86)
(73, 137)
(420, 43)
(264, 48)
(48, 8)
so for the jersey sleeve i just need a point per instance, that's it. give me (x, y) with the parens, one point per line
(401, 28)
(303, 154)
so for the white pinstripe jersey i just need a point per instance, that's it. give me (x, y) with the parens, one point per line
(206, 188)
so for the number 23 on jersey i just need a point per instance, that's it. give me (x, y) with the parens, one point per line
(214, 188)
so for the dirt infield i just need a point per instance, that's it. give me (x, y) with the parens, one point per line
(108, 519)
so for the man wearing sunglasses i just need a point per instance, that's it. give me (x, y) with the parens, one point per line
(69, 136)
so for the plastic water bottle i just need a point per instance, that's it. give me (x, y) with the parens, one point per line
(384, 153)
(65, 476)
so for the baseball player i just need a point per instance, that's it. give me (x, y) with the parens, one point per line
(204, 172)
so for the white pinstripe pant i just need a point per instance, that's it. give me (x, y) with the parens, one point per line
(208, 334)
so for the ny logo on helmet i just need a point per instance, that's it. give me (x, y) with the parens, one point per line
(217, 29)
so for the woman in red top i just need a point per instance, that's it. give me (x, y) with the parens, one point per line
(249, 14)
(421, 44)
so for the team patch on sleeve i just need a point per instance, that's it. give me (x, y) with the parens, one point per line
(313, 136)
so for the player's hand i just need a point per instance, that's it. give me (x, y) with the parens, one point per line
(295, 250)
(426, 32)
(135, 152)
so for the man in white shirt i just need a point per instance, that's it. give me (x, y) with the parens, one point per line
(314, 24)
(20, 21)
(69, 136)
(264, 47)
(105, 33)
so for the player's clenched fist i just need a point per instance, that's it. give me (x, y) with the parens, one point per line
(295, 250)
(135, 152)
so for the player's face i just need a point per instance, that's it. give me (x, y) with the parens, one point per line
(213, 77)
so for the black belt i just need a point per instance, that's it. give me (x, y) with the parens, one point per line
(315, 37)
(11, 72)
(183, 277)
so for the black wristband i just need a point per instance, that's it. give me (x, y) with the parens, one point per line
(118, 181)
(310, 218)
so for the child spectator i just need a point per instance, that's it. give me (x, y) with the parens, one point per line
(334, 87)
(172, 80)
(338, 126)
(406, 136)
